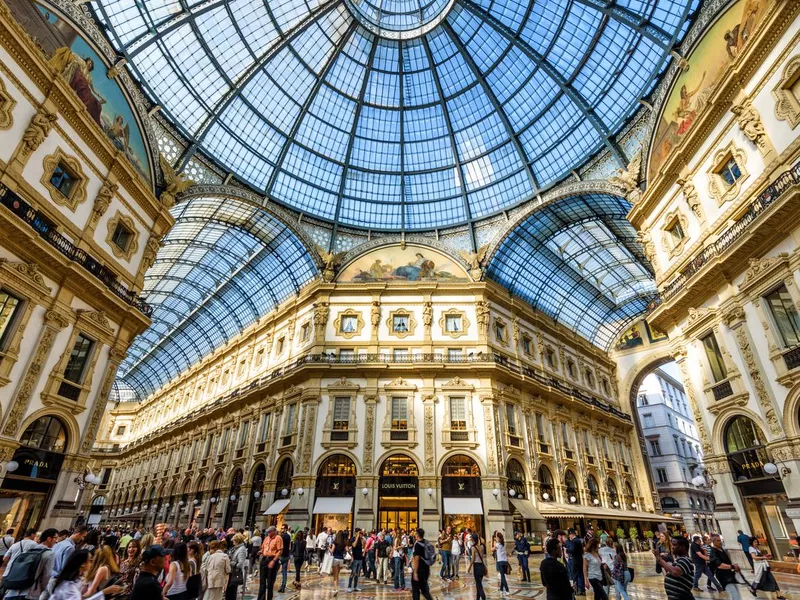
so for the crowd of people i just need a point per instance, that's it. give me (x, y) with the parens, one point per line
(212, 564)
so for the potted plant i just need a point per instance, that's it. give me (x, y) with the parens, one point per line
(649, 536)
(620, 534)
(634, 536)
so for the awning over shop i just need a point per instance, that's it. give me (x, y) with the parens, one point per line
(463, 506)
(555, 509)
(333, 506)
(526, 508)
(277, 507)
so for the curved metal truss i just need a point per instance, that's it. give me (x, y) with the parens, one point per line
(225, 264)
(577, 260)
(497, 102)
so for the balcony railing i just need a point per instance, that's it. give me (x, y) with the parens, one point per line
(43, 227)
(758, 207)
(792, 358)
(722, 390)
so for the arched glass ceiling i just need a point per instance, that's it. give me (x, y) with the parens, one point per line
(578, 261)
(483, 104)
(224, 264)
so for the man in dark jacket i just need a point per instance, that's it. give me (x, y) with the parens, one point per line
(523, 548)
(554, 574)
(147, 586)
(287, 545)
(722, 566)
(575, 554)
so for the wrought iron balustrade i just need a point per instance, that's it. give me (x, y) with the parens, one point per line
(792, 358)
(48, 233)
(757, 207)
(722, 390)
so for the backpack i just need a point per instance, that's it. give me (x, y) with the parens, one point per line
(22, 575)
(430, 552)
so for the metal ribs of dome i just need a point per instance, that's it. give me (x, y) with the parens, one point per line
(495, 103)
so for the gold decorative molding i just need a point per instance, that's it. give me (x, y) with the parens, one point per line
(102, 201)
(40, 126)
(454, 312)
(691, 196)
(150, 252)
(340, 320)
(787, 103)
(718, 189)
(670, 220)
(7, 104)
(751, 125)
(133, 245)
(410, 327)
(77, 194)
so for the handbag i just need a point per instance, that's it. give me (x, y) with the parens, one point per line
(327, 564)
(631, 571)
(237, 578)
(607, 579)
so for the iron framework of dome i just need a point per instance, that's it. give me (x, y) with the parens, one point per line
(397, 114)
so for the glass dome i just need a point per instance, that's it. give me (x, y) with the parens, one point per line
(397, 114)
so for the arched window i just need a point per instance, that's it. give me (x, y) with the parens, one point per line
(629, 497)
(284, 479)
(399, 465)
(745, 449)
(336, 477)
(46, 433)
(612, 493)
(669, 503)
(545, 483)
(460, 466)
(594, 489)
(516, 478)
(571, 483)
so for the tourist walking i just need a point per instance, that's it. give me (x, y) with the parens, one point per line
(763, 579)
(553, 572)
(357, 552)
(445, 544)
(574, 548)
(179, 572)
(744, 542)
(19, 584)
(422, 556)
(679, 573)
(369, 555)
(271, 550)
(477, 564)
(723, 568)
(456, 550)
(607, 554)
(68, 585)
(194, 585)
(593, 569)
(523, 549)
(102, 566)
(700, 561)
(499, 550)
(298, 556)
(239, 563)
(382, 552)
(286, 552)
(215, 570)
(337, 549)
(620, 573)
(399, 560)
(322, 545)
(147, 586)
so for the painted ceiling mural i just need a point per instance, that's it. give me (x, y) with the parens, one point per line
(412, 263)
(690, 95)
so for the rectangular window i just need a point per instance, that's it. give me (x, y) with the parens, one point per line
(305, 332)
(550, 357)
(655, 448)
(399, 413)
(500, 332)
(526, 345)
(648, 421)
(288, 426)
(223, 441)
(121, 430)
(195, 444)
(541, 434)
(605, 446)
(244, 431)
(341, 418)
(783, 311)
(677, 447)
(458, 414)
(676, 232)
(455, 354)
(259, 357)
(209, 444)
(122, 237)
(9, 308)
(242, 367)
(730, 171)
(661, 475)
(643, 400)
(400, 323)
(264, 431)
(63, 180)
(511, 419)
(714, 357)
(452, 323)
(349, 324)
(281, 344)
(565, 436)
(78, 359)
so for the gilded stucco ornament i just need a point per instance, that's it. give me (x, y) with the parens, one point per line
(476, 261)
(174, 183)
(749, 121)
(758, 383)
(102, 201)
(646, 241)
(321, 312)
(330, 262)
(39, 128)
(150, 251)
(482, 310)
(691, 196)
(628, 179)
(7, 104)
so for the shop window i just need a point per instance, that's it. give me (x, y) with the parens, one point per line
(78, 359)
(714, 356)
(10, 308)
(785, 315)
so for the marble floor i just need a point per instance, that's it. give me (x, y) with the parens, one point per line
(647, 585)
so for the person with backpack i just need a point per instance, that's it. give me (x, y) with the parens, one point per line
(29, 575)
(424, 555)
(64, 548)
(26, 543)
(6, 542)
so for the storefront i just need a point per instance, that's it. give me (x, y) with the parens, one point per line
(27, 487)
(763, 496)
(234, 498)
(214, 500)
(96, 511)
(462, 504)
(525, 515)
(398, 498)
(282, 494)
(334, 493)
(256, 491)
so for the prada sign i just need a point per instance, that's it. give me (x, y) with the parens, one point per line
(38, 464)
(398, 486)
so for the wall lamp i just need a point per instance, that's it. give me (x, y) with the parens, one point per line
(771, 469)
